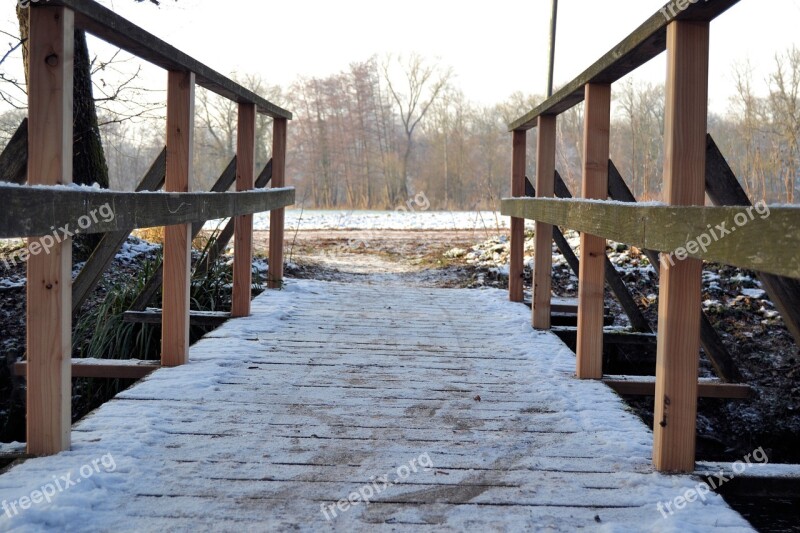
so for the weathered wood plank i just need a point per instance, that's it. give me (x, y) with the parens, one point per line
(102, 368)
(517, 246)
(723, 188)
(106, 250)
(712, 344)
(14, 159)
(680, 287)
(667, 228)
(646, 42)
(41, 209)
(591, 280)
(104, 23)
(49, 274)
(644, 386)
(196, 318)
(543, 239)
(177, 238)
(243, 225)
(277, 216)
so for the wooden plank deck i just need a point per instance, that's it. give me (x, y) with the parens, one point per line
(328, 390)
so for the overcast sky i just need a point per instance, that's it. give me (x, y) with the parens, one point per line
(494, 47)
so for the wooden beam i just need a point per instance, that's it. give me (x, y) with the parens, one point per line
(276, 216)
(712, 344)
(243, 225)
(723, 188)
(666, 228)
(177, 238)
(591, 282)
(543, 243)
(646, 42)
(36, 211)
(104, 23)
(677, 361)
(106, 250)
(14, 159)
(517, 253)
(49, 274)
(101, 368)
(196, 318)
(646, 386)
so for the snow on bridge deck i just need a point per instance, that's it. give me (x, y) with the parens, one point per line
(441, 406)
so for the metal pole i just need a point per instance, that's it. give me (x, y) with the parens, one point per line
(553, 25)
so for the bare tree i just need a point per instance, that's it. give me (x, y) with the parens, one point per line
(423, 85)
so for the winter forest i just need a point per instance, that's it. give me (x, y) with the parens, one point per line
(389, 127)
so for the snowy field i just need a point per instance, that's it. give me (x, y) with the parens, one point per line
(383, 220)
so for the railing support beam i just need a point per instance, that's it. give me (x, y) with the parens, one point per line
(277, 216)
(517, 254)
(243, 225)
(543, 246)
(591, 281)
(679, 307)
(178, 238)
(49, 289)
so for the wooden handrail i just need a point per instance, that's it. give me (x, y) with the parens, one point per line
(114, 29)
(646, 42)
(42, 211)
(669, 228)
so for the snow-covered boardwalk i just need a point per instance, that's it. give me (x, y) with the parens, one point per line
(442, 408)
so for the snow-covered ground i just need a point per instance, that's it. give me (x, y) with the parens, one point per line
(383, 220)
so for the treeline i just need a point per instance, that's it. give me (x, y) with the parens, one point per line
(385, 129)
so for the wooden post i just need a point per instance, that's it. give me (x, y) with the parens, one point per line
(680, 297)
(178, 239)
(243, 225)
(49, 289)
(518, 163)
(543, 246)
(276, 216)
(591, 285)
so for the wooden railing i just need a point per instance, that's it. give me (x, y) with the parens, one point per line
(40, 212)
(685, 230)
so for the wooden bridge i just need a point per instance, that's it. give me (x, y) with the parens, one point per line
(330, 406)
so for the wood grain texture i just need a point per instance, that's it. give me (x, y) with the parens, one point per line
(517, 252)
(591, 281)
(543, 242)
(49, 271)
(177, 238)
(243, 225)
(277, 216)
(685, 126)
(102, 368)
(104, 23)
(646, 42)
(666, 229)
(646, 386)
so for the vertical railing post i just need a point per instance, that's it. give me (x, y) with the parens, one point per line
(517, 254)
(243, 225)
(543, 247)
(178, 238)
(276, 216)
(591, 284)
(679, 307)
(49, 289)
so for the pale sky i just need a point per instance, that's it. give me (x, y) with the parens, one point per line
(495, 48)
